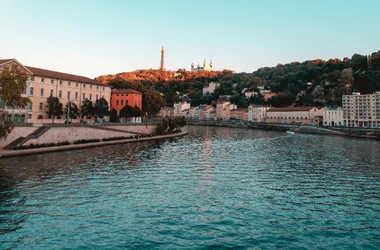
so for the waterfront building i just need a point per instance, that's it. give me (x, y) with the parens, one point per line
(166, 112)
(223, 110)
(257, 113)
(208, 113)
(125, 97)
(361, 110)
(239, 114)
(180, 107)
(43, 83)
(206, 67)
(210, 88)
(333, 116)
(302, 115)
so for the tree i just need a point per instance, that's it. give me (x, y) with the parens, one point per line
(74, 110)
(113, 116)
(12, 84)
(54, 107)
(87, 108)
(128, 111)
(101, 107)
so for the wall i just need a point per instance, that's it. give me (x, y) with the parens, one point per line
(16, 133)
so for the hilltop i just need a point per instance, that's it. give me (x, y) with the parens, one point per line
(312, 82)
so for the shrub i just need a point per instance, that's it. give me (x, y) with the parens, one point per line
(117, 138)
(160, 129)
(86, 141)
(43, 145)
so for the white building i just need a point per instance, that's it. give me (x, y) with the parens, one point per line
(257, 113)
(333, 116)
(304, 115)
(206, 67)
(180, 107)
(210, 88)
(361, 110)
(248, 94)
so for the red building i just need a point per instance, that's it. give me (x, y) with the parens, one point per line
(122, 97)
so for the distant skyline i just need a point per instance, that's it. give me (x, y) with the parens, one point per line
(93, 38)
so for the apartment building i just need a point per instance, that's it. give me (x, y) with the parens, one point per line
(361, 110)
(125, 97)
(304, 115)
(257, 113)
(43, 83)
(332, 116)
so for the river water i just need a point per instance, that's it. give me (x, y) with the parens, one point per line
(217, 188)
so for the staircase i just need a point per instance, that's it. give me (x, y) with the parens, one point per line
(21, 140)
(15, 143)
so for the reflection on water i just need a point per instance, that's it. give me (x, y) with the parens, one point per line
(216, 188)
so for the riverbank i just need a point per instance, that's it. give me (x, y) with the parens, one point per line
(12, 153)
(227, 124)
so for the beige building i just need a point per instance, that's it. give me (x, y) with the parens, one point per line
(361, 110)
(166, 112)
(332, 116)
(257, 113)
(223, 110)
(304, 115)
(43, 83)
(180, 107)
(239, 114)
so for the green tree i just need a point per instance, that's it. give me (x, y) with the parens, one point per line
(74, 110)
(12, 84)
(101, 107)
(54, 107)
(128, 111)
(87, 108)
(113, 116)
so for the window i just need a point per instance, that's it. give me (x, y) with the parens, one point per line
(52, 81)
(90, 86)
(60, 83)
(68, 95)
(40, 107)
(31, 90)
(42, 92)
(69, 84)
(84, 96)
(76, 95)
(42, 79)
(90, 97)
(84, 85)
(103, 88)
(121, 102)
(30, 105)
(97, 87)
(97, 97)
(76, 84)
(29, 116)
(60, 94)
(32, 78)
(117, 102)
(51, 92)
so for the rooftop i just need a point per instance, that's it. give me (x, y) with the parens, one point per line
(125, 91)
(290, 109)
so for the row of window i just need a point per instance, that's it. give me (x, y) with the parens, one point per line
(52, 81)
(31, 93)
(121, 102)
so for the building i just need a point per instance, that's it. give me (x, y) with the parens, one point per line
(125, 97)
(180, 107)
(361, 110)
(223, 110)
(333, 116)
(206, 67)
(257, 113)
(43, 83)
(210, 88)
(166, 112)
(248, 94)
(208, 113)
(239, 114)
(302, 115)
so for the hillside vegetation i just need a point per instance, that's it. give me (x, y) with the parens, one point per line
(314, 82)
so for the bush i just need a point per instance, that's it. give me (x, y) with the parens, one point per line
(117, 138)
(43, 145)
(159, 129)
(86, 141)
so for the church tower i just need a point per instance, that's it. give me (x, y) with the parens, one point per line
(162, 66)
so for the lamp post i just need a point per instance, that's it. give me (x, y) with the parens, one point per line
(68, 111)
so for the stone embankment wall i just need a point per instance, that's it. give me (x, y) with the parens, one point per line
(61, 133)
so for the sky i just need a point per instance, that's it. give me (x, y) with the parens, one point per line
(95, 37)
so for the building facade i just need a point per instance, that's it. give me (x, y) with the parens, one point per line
(361, 110)
(43, 83)
(239, 114)
(302, 115)
(125, 97)
(180, 107)
(223, 110)
(257, 113)
(333, 116)
(206, 67)
(210, 88)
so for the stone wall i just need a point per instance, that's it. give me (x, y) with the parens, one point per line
(16, 133)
